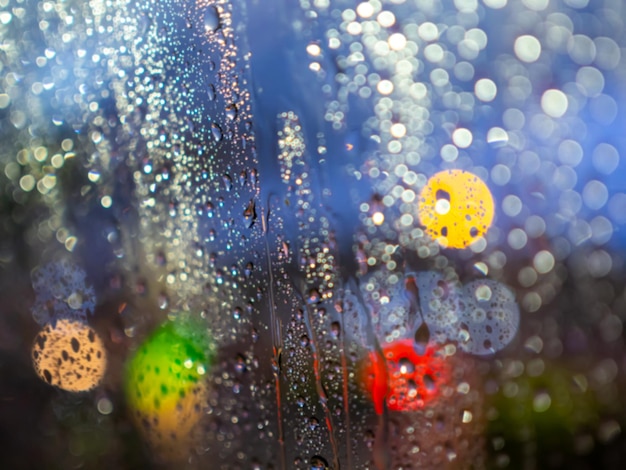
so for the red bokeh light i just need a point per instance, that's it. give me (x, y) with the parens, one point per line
(404, 378)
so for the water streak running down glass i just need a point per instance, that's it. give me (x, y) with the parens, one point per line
(316, 234)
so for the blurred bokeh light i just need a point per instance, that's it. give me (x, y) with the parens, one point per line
(318, 234)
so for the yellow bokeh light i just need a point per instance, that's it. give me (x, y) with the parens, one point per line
(456, 208)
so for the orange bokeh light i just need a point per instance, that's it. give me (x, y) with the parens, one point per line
(456, 208)
(405, 379)
(69, 355)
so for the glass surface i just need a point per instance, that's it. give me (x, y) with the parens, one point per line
(312, 234)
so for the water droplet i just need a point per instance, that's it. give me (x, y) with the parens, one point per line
(248, 270)
(240, 364)
(314, 296)
(478, 315)
(211, 92)
(231, 112)
(216, 132)
(429, 382)
(143, 22)
(163, 301)
(318, 463)
(210, 211)
(211, 20)
(228, 181)
(75, 301)
(406, 366)
(422, 336)
(483, 293)
(464, 335)
(249, 214)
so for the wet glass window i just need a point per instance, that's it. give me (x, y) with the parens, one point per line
(312, 234)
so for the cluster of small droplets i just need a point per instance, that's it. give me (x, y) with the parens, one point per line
(388, 304)
(162, 88)
(527, 105)
(290, 146)
(189, 136)
(527, 128)
(481, 317)
(61, 292)
(312, 333)
(46, 97)
(316, 257)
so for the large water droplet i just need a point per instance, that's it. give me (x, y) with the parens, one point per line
(314, 296)
(422, 336)
(211, 92)
(143, 23)
(318, 463)
(217, 132)
(249, 214)
(243, 177)
(228, 181)
(211, 20)
(231, 112)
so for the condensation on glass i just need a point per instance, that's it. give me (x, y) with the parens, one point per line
(317, 234)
